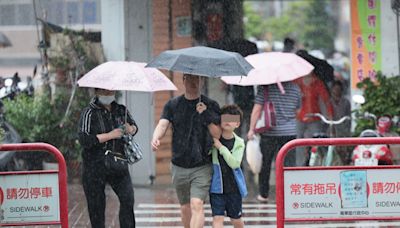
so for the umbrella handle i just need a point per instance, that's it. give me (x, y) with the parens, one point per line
(199, 90)
(281, 88)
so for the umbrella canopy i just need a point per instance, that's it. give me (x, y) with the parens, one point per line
(4, 41)
(271, 68)
(204, 61)
(322, 69)
(122, 75)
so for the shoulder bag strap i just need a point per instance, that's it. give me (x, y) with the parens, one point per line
(102, 126)
(265, 90)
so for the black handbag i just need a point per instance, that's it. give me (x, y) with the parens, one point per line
(115, 162)
(132, 149)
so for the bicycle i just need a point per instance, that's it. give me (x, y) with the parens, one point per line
(325, 155)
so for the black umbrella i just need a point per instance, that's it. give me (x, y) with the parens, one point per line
(241, 94)
(241, 46)
(322, 68)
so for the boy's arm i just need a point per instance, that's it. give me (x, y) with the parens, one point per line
(233, 159)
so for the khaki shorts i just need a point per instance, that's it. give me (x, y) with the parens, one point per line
(191, 182)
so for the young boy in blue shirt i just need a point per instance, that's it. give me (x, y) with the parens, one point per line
(228, 185)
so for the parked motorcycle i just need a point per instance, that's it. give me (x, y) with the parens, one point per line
(9, 159)
(373, 155)
(13, 86)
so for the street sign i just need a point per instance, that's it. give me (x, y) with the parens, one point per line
(34, 197)
(342, 193)
(29, 198)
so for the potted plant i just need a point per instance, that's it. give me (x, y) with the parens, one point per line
(38, 119)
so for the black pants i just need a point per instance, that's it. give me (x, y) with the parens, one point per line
(94, 181)
(270, 146)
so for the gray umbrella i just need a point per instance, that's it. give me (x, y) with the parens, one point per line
(202, 61)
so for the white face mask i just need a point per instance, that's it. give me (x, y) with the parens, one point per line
(106, 100)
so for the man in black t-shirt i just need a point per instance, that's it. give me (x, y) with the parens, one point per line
(194, 119)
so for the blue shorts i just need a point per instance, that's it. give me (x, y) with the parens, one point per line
(231, 203)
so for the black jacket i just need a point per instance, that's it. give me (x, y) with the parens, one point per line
(94, 120)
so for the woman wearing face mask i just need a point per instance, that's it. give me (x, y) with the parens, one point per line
(101, 126)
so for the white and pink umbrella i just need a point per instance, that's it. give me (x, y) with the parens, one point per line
(124, 75)
(271, 68)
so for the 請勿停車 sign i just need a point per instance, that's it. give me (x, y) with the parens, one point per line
(29, 198)
(342, 193)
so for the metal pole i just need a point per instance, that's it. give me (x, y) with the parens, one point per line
(170, 39)
(396, 9)
(398, 39)
(37, 29)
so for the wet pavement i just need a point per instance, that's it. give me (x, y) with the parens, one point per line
(156, 206)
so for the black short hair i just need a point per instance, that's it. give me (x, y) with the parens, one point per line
(232, 109)
(289, 41)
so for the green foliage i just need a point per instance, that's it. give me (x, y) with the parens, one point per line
(32, 118)
(289, 23)
(254, 25)
(308, 22)
(280, 27)
(382, 98)
(60, 63)
(39, 120)
(318, 29)
(2, 134)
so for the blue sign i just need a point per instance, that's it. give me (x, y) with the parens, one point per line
(353, 188)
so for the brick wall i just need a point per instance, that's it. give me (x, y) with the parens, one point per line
(161, 42)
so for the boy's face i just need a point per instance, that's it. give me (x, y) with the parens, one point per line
(230, 122)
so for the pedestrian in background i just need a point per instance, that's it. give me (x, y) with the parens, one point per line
(286, 106)
(314, 99)
(341, 108)
(228, 185)
(289, 45)
(100, 130)
(194, 119)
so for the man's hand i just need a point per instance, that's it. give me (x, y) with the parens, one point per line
(158, 133)
(155, 143)
(201, 107)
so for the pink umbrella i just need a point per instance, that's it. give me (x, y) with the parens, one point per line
(122, 75)
(271, 68)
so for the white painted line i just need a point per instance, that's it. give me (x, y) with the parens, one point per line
(347, 224)
(330, 225)
(77, 220)
(149, 205)
(177, 211)
(73, 209)
(208, 219)
(226, 226)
